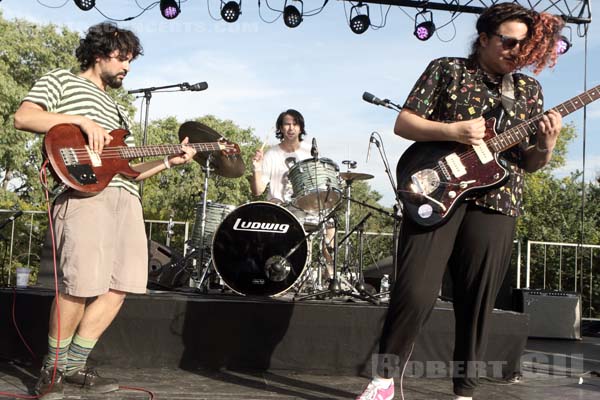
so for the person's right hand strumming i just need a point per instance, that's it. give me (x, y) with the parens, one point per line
(98, 137)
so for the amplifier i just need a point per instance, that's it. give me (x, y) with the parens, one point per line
(552, 314)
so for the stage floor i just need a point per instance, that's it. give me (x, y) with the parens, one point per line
(551, 369)
(225, 385)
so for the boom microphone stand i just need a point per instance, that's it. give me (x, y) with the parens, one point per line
(147, 95)
(398, 205)
(368, 97)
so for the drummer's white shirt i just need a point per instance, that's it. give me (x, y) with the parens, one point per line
(275, 170)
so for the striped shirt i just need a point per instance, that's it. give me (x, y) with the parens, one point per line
(62, 92)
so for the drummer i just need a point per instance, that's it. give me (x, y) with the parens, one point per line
(270, 168)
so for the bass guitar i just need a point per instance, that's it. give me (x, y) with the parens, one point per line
(433, 177)
(74, 163)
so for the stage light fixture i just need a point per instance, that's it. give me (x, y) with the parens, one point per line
(425, 29)
(562, 45)
(85, 5)
(230, 11)
(359, 23)
(169, 9)
(292, 17)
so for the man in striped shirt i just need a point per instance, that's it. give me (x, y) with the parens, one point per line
(100, 240)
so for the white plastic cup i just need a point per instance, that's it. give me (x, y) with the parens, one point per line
(23, 277)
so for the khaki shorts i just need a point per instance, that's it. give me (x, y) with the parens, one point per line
(101, 243)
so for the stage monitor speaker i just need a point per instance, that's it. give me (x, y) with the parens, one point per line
(159, 256)
(552, 314)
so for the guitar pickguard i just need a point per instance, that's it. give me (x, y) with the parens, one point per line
(83, 174)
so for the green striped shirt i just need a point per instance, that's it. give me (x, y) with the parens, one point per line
(62, 92)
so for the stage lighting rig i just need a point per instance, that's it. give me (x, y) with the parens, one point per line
(85, 5)
(360, 22)
(292, 17)
(169, 9)
(230, 11)
(425, 29)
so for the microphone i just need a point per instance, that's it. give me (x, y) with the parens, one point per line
(370, 98)
(197, 87)
(314, 150)
(11, 219)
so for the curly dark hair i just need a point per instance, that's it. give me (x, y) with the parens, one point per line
(543, 32)
(104, 38)
(297, 117)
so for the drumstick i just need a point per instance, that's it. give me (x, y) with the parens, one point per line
(265, 142)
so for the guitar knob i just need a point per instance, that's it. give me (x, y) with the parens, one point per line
(452, 194)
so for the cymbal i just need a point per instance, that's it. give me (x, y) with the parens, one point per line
(231, 166)
(355, 176)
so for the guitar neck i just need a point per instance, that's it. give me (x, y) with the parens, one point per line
(528, 128)
(165, 149)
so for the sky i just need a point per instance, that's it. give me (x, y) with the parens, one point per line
(257, 67)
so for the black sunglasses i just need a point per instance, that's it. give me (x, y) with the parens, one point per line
(509, 43)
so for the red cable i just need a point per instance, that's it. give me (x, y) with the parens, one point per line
(44, 179)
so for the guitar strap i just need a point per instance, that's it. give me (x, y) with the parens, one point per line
(507, 93)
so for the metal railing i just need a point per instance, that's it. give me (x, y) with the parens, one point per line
(564, 267)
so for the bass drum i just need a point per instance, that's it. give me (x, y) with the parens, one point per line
(260, 248)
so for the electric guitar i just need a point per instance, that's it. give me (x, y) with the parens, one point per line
(74, 163)
(433, 177)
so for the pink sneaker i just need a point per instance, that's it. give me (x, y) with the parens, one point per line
(374, 392)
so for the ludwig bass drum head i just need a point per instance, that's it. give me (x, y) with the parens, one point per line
(251, 249)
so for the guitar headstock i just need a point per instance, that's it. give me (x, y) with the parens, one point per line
(228, 148)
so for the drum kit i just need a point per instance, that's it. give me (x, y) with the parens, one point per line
(264, 249)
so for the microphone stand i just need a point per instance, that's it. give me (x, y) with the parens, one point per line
(147, 96)
(397, 206)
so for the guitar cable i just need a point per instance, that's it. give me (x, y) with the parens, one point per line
(44, 182)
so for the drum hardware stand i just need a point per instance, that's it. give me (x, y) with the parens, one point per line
(203, 268)
(334, 289)
(350, 165)
(360, 282)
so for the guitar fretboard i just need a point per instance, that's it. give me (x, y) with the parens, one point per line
(515, 135)
(165, 149)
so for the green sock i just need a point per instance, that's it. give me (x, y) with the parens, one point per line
(63, 350)
(79, 351)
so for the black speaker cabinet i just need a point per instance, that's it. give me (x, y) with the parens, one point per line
(158, 256)
(552, 314)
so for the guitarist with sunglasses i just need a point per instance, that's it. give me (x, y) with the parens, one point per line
(447, 105)
(101, 240)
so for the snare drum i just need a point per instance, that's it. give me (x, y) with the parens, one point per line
(316, 184)
(215, 213)
(260, 248)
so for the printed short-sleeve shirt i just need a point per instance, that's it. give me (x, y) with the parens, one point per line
(457, 89)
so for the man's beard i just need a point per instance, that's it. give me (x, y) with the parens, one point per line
(113, 81)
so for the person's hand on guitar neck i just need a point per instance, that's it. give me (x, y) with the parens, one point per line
(538, 155)
(186, 155)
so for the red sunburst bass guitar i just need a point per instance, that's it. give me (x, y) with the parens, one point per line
(75, 164)
(433, 177)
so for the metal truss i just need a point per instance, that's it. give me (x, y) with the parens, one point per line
(572, 11)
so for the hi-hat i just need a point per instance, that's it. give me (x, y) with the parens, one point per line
(231, 166)
(355, 176)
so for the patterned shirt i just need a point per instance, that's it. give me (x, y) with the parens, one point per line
(456, 89)
(60, 91)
